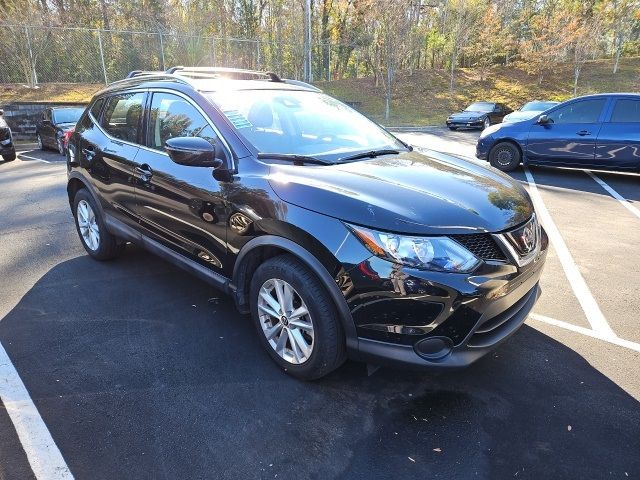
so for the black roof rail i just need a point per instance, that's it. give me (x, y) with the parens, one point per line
(138, 76)
(138, 73)
(217, 72)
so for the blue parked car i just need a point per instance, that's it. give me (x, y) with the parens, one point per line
(595, 131)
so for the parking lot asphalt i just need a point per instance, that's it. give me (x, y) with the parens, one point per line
(138, 370)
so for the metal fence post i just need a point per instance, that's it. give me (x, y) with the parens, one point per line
(34, 75)
(104, 68)
(257, 54)
(161, 50)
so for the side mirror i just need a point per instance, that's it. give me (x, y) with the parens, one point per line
(193, 152)
(544, 120)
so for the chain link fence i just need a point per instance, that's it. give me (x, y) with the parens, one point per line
(38, 55)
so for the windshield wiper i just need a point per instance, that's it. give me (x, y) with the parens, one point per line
(369, 154)
(292, 157)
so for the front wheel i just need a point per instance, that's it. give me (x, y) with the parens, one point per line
(453, 129)
(95, 237)
(60, 146)
(39, 140)
(296, 319)
(9, 157)
(505, 156)
(487, 123)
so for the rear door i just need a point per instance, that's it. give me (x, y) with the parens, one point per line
(47, 130)
(618, 143)
(570, 136)
(109, 150)
(180, 206)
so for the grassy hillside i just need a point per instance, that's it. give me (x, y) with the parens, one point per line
(422, 98)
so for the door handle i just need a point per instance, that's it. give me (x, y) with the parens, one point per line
(583, 133)
(144, 172)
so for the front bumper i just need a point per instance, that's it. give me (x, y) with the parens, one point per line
(462, 124)
(431, 320)
(483, 146)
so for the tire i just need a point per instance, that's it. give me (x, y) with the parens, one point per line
(9, 157)
(487, 123)
(40, 144)
(505, 156)
(60, 146)
(107, 246)
(327, 346)
(453, 129)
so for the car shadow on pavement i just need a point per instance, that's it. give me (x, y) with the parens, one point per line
(627, 185)
(141, 371)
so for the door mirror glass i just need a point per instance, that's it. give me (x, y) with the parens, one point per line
(192, 152)
(544, 120)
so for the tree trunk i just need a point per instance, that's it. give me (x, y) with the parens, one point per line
(576, 75)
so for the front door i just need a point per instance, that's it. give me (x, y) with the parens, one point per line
(181, 206)
(618, 144)
(569, 137)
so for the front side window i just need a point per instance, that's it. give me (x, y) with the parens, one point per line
(96, 107)
(122, 115)
(301, 123)
(172, 116)
(586, 111)
(537, 106)
(626, 110)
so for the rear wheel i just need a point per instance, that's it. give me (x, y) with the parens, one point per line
(39, 140)
(60, 146)
(296, 319)
(505, 156)
(95, 238)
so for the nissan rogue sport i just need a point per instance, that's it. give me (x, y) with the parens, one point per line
(338, 238)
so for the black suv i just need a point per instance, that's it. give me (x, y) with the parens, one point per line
(334, 235)
(7, 148)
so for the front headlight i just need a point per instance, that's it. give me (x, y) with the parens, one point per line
(489, 130)
(430, 253)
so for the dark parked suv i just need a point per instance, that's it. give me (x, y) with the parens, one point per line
(53, 125)
(7, 148)
(334, 235)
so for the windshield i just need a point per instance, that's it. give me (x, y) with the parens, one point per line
(480, 107)
(537, 106)
(67, 115)
(301, 123)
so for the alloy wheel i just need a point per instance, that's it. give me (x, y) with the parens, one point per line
(285, 321)
(487, 122)
(39, 139)
(60, 146)
(88, 225)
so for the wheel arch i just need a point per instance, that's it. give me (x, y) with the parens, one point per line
(267, 246)
(77, 182)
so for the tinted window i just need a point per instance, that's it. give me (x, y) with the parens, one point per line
(67, 115)
(172, 116)
(537, 106)
(96, 107)
(626, 110)
(122, 114)
(586, 111)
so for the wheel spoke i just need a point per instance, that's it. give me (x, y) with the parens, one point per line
(301, 324)
(269, 311)
(273, 303)
(282, 342)
(300, 343)
(287, 297)
(295, 348)
(279, 287)
(271, 332)
(298, 312)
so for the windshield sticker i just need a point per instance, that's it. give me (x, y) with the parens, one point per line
(237, 119)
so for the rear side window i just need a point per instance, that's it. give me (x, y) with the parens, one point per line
(96, 107)
(586, 111)
(172, 116)
(626, 111)
(122, 115)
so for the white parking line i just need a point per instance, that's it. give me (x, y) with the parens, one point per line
(580, 288)
(586, 331)
(626, 203)
(20, 155)
(44, 456)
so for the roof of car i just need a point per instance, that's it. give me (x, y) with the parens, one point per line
(204, 79)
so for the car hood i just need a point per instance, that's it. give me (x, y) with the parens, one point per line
(466, 116)
(407, 193)
(519, 116)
